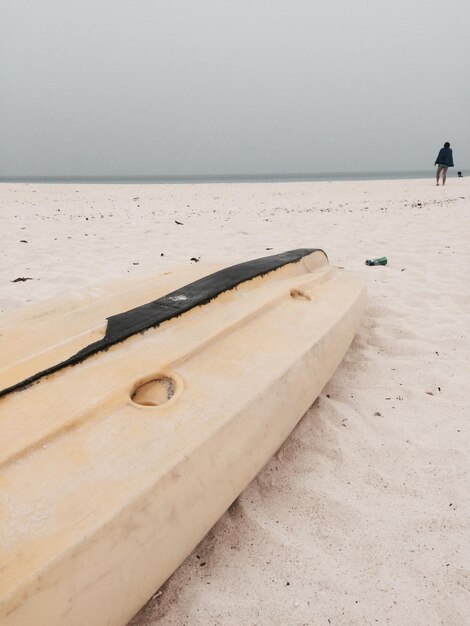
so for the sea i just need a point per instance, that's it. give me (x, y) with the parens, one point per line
(228, 178)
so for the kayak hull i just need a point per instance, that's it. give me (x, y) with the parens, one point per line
(120, 465)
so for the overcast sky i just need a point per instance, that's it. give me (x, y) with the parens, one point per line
(213, 87)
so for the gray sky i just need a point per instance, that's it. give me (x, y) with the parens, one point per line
(183, 87)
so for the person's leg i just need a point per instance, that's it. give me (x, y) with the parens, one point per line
(444, 174)
(439, 168)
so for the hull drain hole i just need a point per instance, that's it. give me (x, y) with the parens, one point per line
(154, 392)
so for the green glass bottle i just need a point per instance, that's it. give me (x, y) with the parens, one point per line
(380, 261)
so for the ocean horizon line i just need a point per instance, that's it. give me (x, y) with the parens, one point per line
(222, 178)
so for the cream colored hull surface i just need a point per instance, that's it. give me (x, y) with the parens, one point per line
(114, 468)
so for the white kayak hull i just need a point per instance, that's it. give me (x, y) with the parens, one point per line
(114, 468)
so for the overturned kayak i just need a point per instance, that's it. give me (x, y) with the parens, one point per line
(133, 416)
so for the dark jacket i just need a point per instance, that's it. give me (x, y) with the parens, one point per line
(445, 157)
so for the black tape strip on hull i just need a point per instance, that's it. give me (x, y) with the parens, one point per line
(174, 304)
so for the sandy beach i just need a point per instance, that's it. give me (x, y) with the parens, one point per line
(363, 515)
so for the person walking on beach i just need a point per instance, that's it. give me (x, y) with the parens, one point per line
(443, 161)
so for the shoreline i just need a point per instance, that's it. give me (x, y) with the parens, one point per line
(230, 179)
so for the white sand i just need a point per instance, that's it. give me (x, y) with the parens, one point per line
(362, 517)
